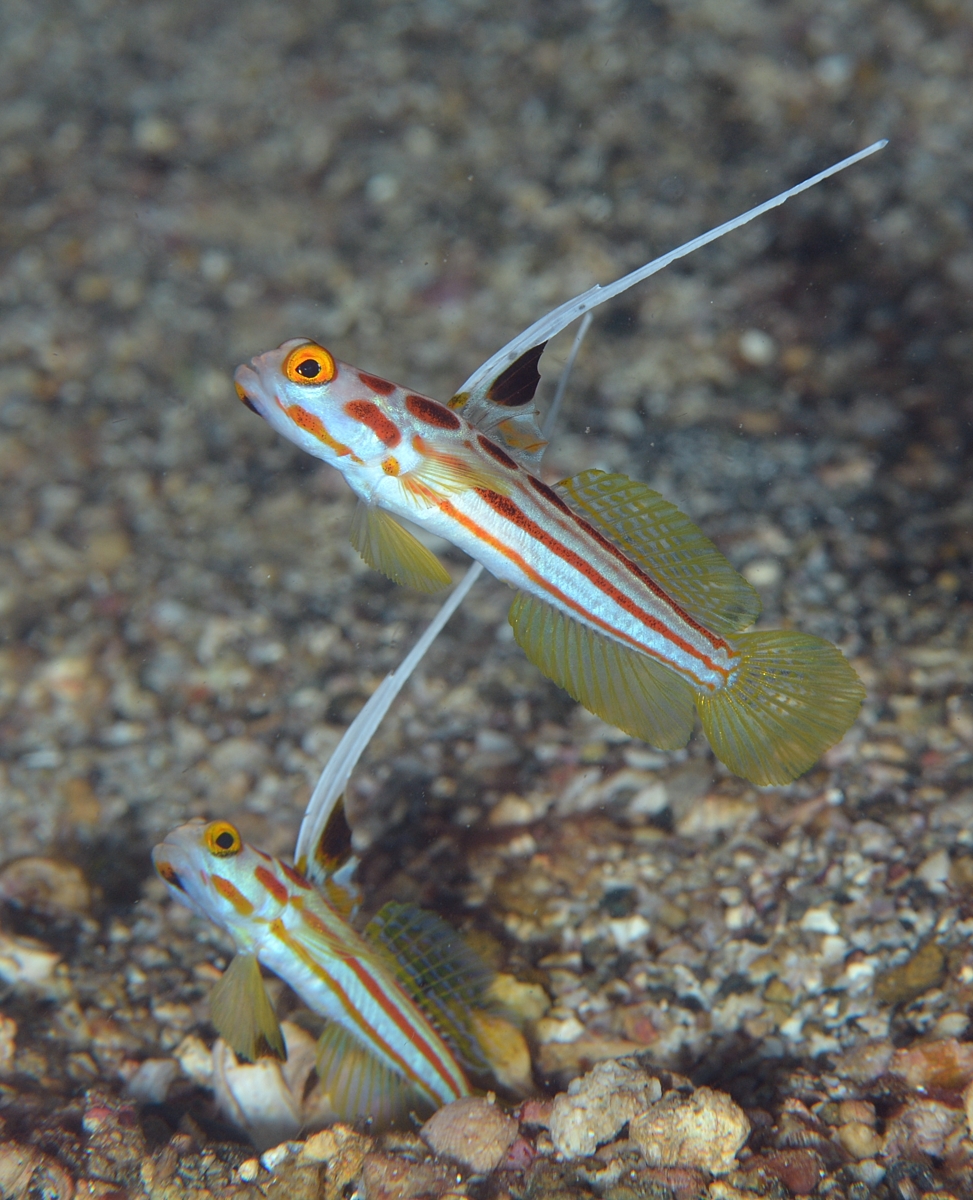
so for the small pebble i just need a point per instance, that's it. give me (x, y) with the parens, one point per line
(471, 1130)
(597, 1106)
(924, 970)
(45, 885)
(704, 1129)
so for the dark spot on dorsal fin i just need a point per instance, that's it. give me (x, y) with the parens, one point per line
(334, 845)
(517, 384)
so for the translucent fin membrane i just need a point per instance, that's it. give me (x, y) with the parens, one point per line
(242, 1014)
(386, 546)
(359, 1084)
(667, 545)
(621, 686)
(438, 970)
(791, 697)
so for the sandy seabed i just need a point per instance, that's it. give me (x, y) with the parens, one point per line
(186, 631)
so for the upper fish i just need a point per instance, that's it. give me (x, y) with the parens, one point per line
(621, 599)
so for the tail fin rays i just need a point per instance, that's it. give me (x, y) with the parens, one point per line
(791, 698)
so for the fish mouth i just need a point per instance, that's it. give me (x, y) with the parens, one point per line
(247, 385)
(169, 874)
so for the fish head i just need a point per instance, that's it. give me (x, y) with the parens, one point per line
(207, 866)
(303, 392)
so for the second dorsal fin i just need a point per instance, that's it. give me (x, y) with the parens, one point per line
(667, 545)
(438, 970)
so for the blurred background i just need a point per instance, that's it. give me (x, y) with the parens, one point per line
(185, 629)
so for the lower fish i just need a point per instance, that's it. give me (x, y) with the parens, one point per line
(396, 998)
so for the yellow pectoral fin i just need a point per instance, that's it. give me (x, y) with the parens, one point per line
(621, 686)
(386, 546)
(242, 1013)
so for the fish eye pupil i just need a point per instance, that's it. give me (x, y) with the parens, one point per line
(310, 368)
(225, 840)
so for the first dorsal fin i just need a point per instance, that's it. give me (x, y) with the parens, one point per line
(386, 546)
(242, 1013)
(333, 863)
(503, 407)
(438, 970)
(667, 545)
(623, 687)
(358, 1083)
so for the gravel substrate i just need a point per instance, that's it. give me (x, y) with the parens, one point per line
(185, 629)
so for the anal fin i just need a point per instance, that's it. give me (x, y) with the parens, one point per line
(386, 546)
(357, 1083)
(437, 969)
(242, 1013)
(624, 688)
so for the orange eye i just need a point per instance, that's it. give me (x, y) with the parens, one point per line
(222, 839)
(309, 363)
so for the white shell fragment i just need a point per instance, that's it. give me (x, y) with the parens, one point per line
(265, 1098)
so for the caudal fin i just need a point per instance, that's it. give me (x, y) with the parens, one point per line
(789, 699)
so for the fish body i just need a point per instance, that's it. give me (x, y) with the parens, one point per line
(621, 599)
(381, 1049)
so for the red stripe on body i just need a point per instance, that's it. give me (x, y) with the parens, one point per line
(552, 497)
(495, 452)
(506, 508)
(370, 1034)
(447, 509)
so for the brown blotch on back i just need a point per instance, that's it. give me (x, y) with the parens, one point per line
(495, 452)
(503, 505)
(431, 411)
(550, 495)
(381, 386)
(294, 876)
(372, 416)
(272, 884)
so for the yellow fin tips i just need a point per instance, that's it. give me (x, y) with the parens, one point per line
(622, 686)
(671, 550)
(790, 697)
(386, 546)
(242, 1013)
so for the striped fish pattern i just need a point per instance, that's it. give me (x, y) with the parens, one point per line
(621, 599)
(393, 997)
